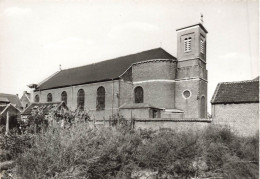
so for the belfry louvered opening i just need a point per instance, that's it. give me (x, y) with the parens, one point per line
(202, 42)
(187, 44)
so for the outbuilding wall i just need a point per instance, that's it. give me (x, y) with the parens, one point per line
(241, 118)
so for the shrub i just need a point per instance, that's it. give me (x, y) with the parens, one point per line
(82, 151)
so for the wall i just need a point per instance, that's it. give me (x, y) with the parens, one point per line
(203, 91)
(156, 69)
(195, 33)
(135, 113)
(90, 97)
(179, 125)
(157, 80)
(126, 92)
(242, 118)
(172, 124)
(190, 106)
(24, 101)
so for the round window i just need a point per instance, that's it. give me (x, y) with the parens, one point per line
(186, 94)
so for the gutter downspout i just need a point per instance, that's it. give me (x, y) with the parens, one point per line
(112, 97)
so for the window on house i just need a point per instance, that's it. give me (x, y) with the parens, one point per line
(202, 45)
(101, 98)
(139, 94)
(64, 97)
(49, 97)
(187, 44)
(36, 98)
(81, 99)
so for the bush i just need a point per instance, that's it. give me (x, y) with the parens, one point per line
(82, 151)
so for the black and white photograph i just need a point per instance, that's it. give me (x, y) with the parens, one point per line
(129, 89)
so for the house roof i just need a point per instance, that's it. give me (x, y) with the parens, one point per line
(236, 92)
(101, 71)
(256, 78)
(136, 106)
(13, 99)
(26, 95)
(46, 107)
(4, 99)
(3, 109)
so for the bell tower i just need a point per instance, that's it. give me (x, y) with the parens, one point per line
(191, 78)
(191, 42)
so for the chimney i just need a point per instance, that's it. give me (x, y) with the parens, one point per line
(17, 95)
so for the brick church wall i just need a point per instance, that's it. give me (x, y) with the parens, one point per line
(156, 69)
(158, 94)
(241, 118)
(189, 105)
(157, 80)
(126, 92)
(90, 97)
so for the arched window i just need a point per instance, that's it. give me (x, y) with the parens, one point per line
(81, 99)
(36, 98)
(203, 107)
(64, 97)
(187, 44)
(139, 94)
(101, 98)
(49, 97)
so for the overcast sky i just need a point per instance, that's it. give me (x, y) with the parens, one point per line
(37, 36)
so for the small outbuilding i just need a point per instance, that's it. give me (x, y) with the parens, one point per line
(25, 100)
(10, 110)
(140, 110)
(236, 104)
(44, 108)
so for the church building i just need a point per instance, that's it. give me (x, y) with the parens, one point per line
(148, 84)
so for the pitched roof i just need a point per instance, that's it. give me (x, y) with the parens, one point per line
(236, 92)
(256, 78)
(101, 71)
(3, 109)
(27, 96)
(12, 98)
(46, 107)
(136, 106)
(4, 99)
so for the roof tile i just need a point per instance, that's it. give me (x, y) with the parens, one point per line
(102, 71)
(236, 92)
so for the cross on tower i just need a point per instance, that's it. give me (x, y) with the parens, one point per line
(201, 18)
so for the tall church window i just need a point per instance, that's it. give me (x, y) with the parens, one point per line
(139, 94)
(101, 98)
(187, 44)
(64, 97)
(203, 107)
(81, 99)
(36, 98)
(49, 97)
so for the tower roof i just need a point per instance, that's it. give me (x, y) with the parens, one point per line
(198, 24)
(101, 71)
